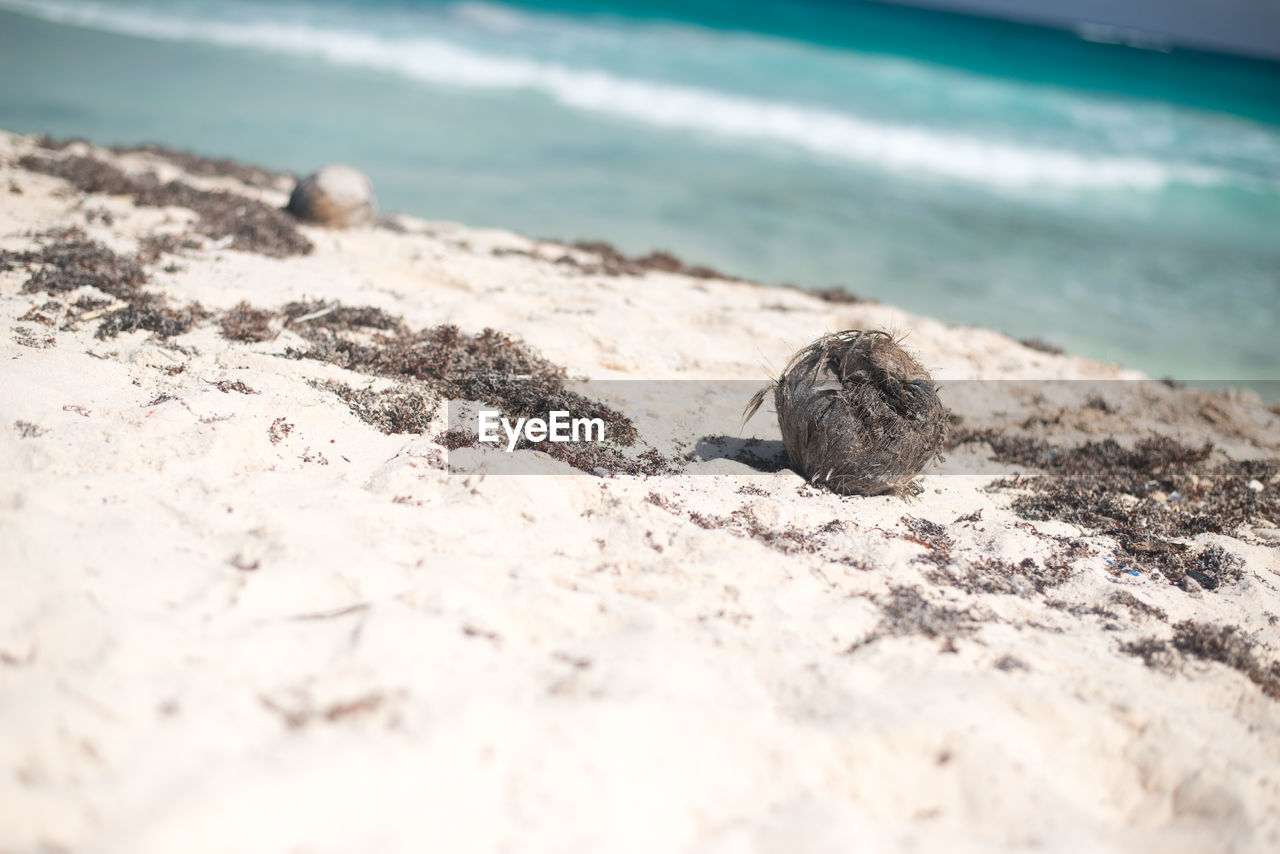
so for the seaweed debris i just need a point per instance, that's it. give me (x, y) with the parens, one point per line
(1144, 497)
(72, 261)
(152, 313)
(442, 362)
(988, 574)
(210, 167)
(744, 523)
(835, 294)
(194, 164)
(251, 225)
(1227, 645)
(243, 322)
(152, 247)
(905, 611)
(1042, 346)
(400, 409)
(228, 386)
(614, 262)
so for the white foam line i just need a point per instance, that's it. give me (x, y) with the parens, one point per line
(881, 145)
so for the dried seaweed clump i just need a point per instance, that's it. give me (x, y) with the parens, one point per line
(212, 167)
(1227, 645)
(443, 362)
(987, 574)
(243, 322)
(1042, 346)
(251, 225)
(489, 367)
(858, 414)
(152, 313)
(613, 262)
(152, 247)
(1142, 497)
(837, 294)
(906, 612)
(400, 409)
(72, 261)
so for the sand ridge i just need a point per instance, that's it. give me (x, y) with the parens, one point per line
(242, 616)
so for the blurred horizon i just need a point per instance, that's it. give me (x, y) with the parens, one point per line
(1119, 201)
(1247, 28)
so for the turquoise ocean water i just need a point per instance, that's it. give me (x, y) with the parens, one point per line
(1122, 203)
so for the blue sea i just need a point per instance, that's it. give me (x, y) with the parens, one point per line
(1123, 203)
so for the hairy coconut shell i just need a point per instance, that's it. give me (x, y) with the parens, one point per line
(858, 414)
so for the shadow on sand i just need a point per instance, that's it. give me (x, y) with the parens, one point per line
(763, 455)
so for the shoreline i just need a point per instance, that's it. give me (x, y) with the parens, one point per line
(249, 585)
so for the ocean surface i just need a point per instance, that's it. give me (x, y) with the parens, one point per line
(1119, 202)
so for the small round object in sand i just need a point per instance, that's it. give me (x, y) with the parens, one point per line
(337, 196)
(858, 414)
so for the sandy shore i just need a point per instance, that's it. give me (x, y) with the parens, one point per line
(240, 615)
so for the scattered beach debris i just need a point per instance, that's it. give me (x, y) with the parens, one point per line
(246, 323)
(228, 386)
(70, 261)
(1042, 346)
(837, 294)
(209, 167)
(1127, 494)
(399, 409)
(614, 262)
(247, 224)
(444, 363)
(151, 312)
(905, 611)
(858, 414)
(279, 430)
(336, 196)
(1225, 644)
(27, 430)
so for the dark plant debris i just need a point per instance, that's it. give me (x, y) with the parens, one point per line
(70, 261)
(152, 247)
(988, 574)
(1107, 609)
(1224, 644)
(251, 225)
(279, 429)
(228, 386)
(400, 409)
(211, 167)
(444, 363)
(743, 522)
(194, 164)
(1143, 497)
(27, 430)
(836, 294)
(458, 438)
(1042, 346)
(905, 611)
(152, 313)
(613, 262)
(245, 323)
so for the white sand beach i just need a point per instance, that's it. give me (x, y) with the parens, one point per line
(237, 616)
